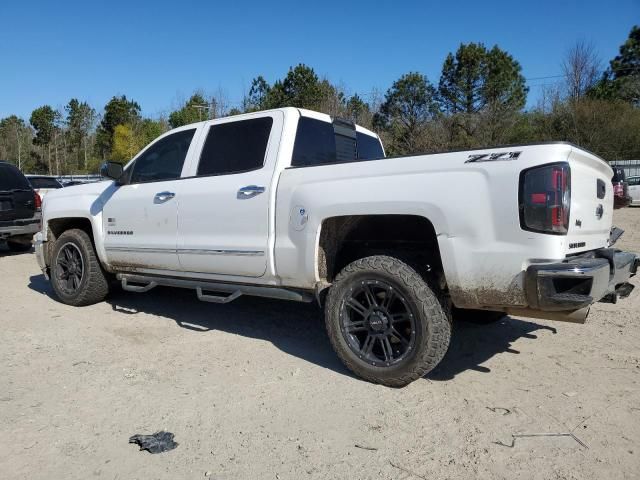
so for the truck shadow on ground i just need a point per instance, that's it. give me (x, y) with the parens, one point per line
(298, 328)
(5, 252)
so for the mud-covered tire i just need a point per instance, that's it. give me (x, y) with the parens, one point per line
(430, 316)
(93, 285)
(480, 317)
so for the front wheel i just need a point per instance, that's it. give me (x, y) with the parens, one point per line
(384, 321)
(77, 277)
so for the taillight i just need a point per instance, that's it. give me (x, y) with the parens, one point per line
(545, 198)
(37, 200)
(618, 190)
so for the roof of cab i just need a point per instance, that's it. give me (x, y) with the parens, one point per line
(287, 110)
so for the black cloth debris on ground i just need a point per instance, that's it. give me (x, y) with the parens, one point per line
(157, 443)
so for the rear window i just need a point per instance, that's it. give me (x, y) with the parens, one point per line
(318, 143)
(12, 179)
(44, 182)
(235, 147)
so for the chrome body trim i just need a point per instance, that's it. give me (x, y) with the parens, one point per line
(202, 251)
(191, 251)
(140, 249)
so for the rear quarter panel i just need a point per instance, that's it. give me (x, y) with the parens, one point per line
(472, 206)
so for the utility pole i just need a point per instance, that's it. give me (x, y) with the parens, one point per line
(200, 109)
(17, 126)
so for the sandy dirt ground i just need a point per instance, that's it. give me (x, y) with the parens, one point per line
(252, 390)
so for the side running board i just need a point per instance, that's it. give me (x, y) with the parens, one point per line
(210, 291)
(203, 297)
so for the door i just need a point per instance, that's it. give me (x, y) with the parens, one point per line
(223, 223)
(141, 216)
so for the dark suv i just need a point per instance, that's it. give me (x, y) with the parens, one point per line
(19, 208)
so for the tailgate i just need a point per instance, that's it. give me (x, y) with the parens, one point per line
(591, 213)
(16, 205)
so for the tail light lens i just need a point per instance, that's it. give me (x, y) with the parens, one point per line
(618, 190)
(545, 199)
(37, 200)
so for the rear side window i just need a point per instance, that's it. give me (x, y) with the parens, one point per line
(315, 143)
(12, 179)
(164, 159)
(368, 147)
(44, 182)
(235, 147)
(318, 143)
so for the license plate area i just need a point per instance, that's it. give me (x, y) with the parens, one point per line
(6, 205)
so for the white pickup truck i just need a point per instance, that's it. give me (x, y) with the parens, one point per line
(296, 205)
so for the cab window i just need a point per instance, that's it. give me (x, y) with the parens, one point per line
(164, 159)
(235, 147)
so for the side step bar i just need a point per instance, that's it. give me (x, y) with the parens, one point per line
(207, 291)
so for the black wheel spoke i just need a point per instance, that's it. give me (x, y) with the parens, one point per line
(69, 268)
(358, 326)
(386, 349)
(377, 323)
(396, 334)
(357, 306)
(389, 297)
(370, 296)
(367, 346)
(400, 317)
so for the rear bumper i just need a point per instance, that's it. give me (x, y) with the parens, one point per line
(23, 226)
(577, 282)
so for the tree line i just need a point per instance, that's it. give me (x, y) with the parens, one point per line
(479, 100)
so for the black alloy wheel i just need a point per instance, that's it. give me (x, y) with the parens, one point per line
(69, 269)
(385, 322)
(377, 323)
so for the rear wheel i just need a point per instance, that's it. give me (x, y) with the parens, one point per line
(77, 277)
(384, 321)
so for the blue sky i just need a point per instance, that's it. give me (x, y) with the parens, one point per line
(159, 52)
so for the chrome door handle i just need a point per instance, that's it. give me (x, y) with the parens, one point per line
(249, 191)
(163, 197)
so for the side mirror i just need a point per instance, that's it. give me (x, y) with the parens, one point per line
(112, 170)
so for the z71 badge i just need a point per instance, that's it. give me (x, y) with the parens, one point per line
(492, 157)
